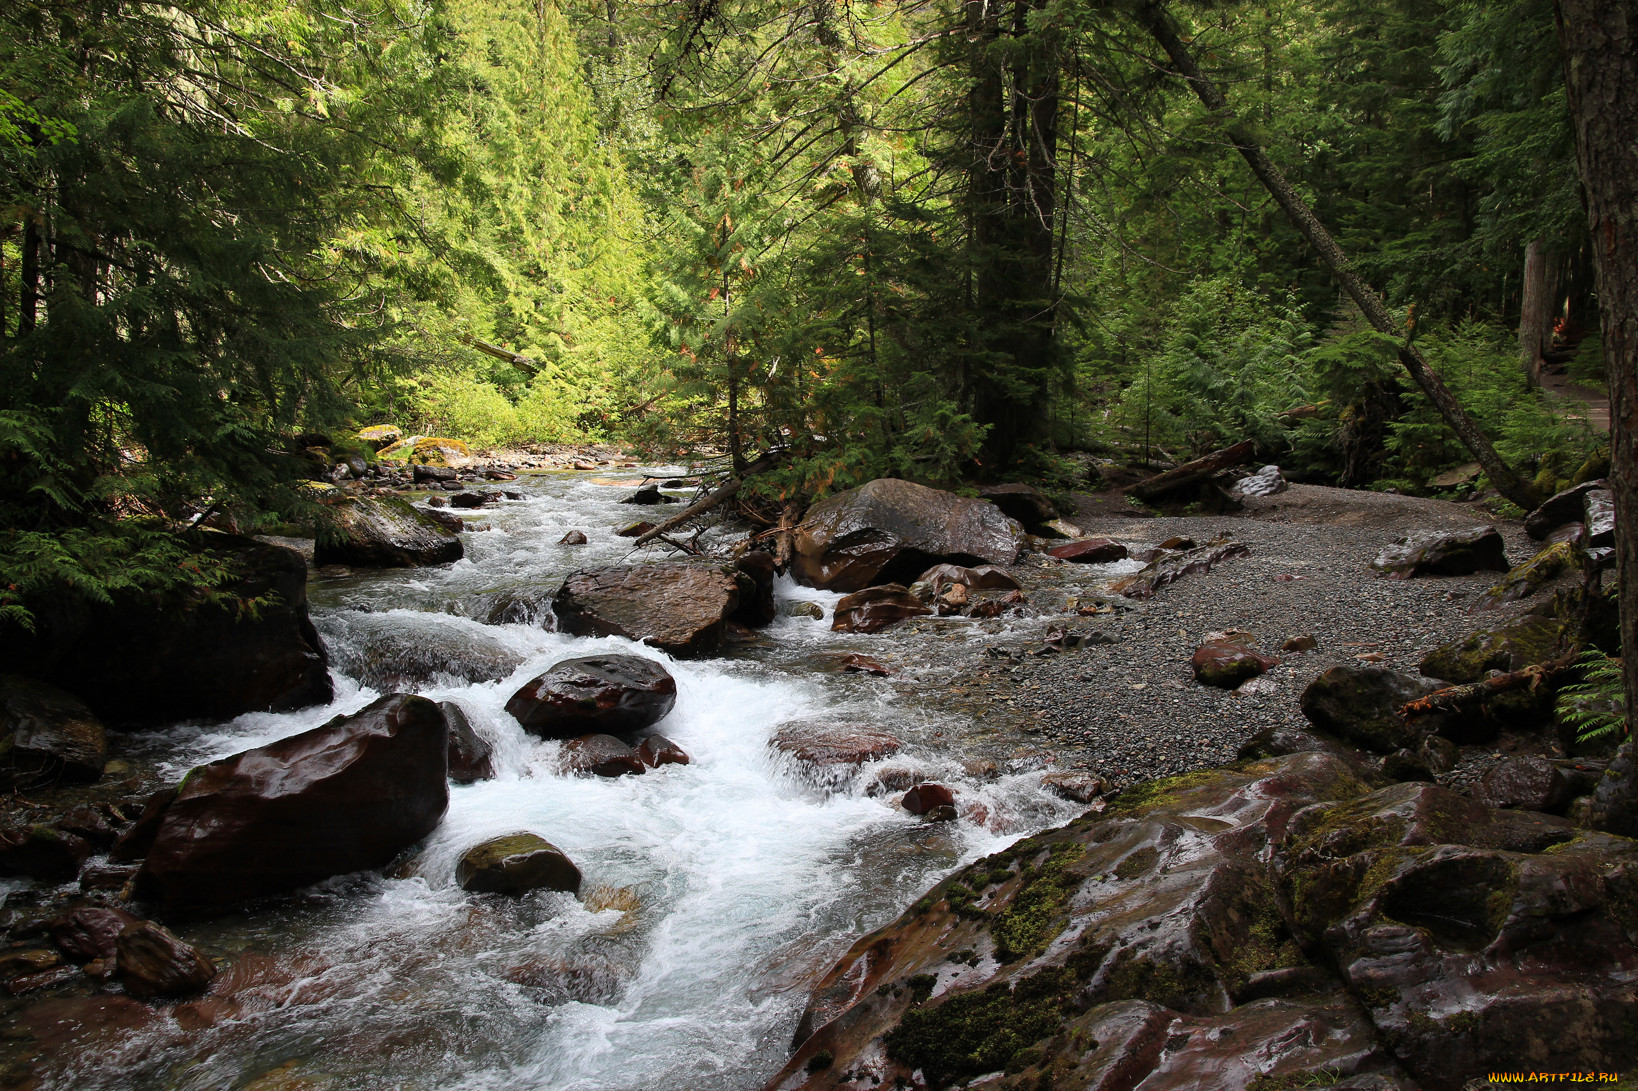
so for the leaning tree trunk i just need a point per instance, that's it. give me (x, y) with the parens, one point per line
(1600, 43)
(1534, 304)
(1159, 24)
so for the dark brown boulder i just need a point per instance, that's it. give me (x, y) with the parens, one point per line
(601, 755)
(1075, 787)
(153, 963)
(606, 694)
(756, 593)
(1361, 705)
(148, 659)
(822, 745)
(1526, 783)
(343, 797)
(89, 932)
(863, 664)
(1443, 553)
(985, 577)
(515, 865)
(890, 530)
(471, 758)
(470, 500)
(90, 823)
(925, 798)
(657, 750)
(1090, 551)
(48, 735)
(875, 608)
(42, 852)
(1565, 507)
(574, 537)
(1168, 569)
(679, 608)
(635, 530)
(385, 532)
(1226, 665)
(648, 495)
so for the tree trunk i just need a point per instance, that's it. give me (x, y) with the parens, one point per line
(28, 266)
(1535, 319)
(1600, 44)
(1191, 472)
(1156, 20)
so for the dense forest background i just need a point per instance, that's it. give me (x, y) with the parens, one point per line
(924, 238)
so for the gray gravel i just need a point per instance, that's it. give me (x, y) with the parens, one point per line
(1132, 710)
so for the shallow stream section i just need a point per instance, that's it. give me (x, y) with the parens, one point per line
(714, 893)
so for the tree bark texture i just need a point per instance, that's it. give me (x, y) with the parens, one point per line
(1600, 44)
(1159, 24)
(1535, 305)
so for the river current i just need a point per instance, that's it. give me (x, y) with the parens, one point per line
(714, 893)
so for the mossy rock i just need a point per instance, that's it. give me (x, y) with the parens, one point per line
(1534, 574)
(1510, 646)
(439, 451)
(379, 436)
(515, 865)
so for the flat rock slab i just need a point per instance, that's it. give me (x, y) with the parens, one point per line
(823, 745)
(681, 609)
(875, 608)
(387, 532)
(889, 530)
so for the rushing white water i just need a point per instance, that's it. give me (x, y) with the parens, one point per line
(714, 893)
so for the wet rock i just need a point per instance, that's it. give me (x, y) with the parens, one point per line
(679, 608)
(115, 877)
(635, 530)
(1600, 516)
(437, 502)
(601, 755)
(153, 963)
(47, 735)
(157, 658)
(648, 494)
(42, 852)
(1278, 740)
(471, 758)
(1169, 569)
(1090, 551)
(1267, 481)
(890, 530)
(756, 590)
(574, 537)
(90, 823)
(422, 473)
(985, 577)
(1526, 783)
(1545, 633)
(1443, 553)
(863, 664)
(1407, 765)
(390, 657)
(472, 499)
(89, 932)
(657, 750)
(824, 745)
(138, 838)
(1305, 643)
(1025, 503)
(952, 600)
(1438, 753)
(494, 474)
(1361, 705)
(875, 608)
(343, 797)
(515, 865)
(607, 694)
(927, 797)
(385, 532)
(1565, 507)
(379, 435)
(1226, 664)
(1075, 787)
(802, 609)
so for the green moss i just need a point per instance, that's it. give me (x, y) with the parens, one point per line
(970, 1033)
(1153, 793)
(1030, 920)
(1137, 863)
(1285, 1081)
(921, 987)
(821, 1061)
(1171, 984)
(1385, 996)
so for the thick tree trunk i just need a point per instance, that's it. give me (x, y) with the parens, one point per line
(28, 268)
(1191, 472)
(1159, 24)
(1600, 44)
(1535, 321)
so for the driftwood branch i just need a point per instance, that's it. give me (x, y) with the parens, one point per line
(1455, 700)
(515, 359)
(705, 504)
(1190, 472)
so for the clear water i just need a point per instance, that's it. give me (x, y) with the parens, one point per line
(714, 893)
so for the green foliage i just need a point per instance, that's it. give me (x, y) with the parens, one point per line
(1595, 707)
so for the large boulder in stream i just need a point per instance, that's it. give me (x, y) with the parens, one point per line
(144, 658)
(600, 694)
(515, 865)
(1275, 924)
(385, 532)
(889, 530)
(343, 797)
(680, 608)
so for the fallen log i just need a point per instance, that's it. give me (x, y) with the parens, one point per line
(1191, 472)
(706, 503)
(1456, 700)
